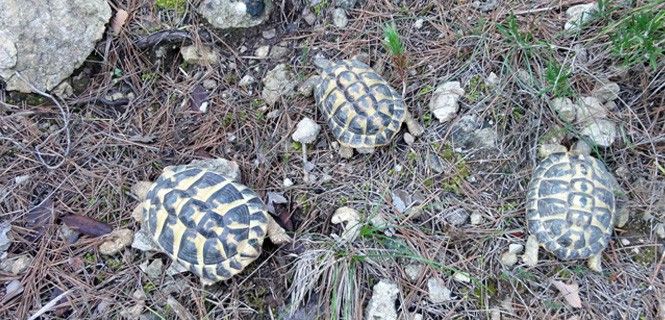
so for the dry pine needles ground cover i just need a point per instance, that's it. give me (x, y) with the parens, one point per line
(87, 167)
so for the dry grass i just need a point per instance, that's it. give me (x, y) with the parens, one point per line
(112, 145)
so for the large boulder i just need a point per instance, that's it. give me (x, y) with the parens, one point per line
(46, 41)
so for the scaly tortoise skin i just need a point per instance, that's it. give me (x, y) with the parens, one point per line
(571, 205)
(212, 226)
(361, 108)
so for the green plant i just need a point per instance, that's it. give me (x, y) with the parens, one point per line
(640, 38)
(393, 42)
(318, 8)
(178, 5)
(558, 80)
(510, 30)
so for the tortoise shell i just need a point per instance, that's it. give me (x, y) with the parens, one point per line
(361, 108)
(571, 205)
(209, 224)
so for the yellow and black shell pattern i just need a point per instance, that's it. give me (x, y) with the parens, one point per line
(209, 224)
(362, 109)
(571, 205)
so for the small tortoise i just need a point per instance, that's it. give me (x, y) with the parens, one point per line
(571, 206)
(361, 108)
(206, 222)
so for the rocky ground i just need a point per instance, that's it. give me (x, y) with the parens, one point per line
(428, 227)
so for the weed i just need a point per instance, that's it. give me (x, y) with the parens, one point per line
(319, 7)
(558, 80)
(510, 30)
(295, 145)
(393, 42)
(639, 38)
(476, 88)
(257, 103)
(177, 5)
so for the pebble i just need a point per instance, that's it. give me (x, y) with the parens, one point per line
(246, 81)
(154, 269)
(438, 292)
(17, 264)
(278, 83)
(203, 55)
(413, 271)
(278, 51)
(118, 240)
(625, 242)
(339, 18)
(444, 103)
(309, 17)
(602, 132)
(578, 15)
(262, 51)
(508, 259)
(209, 84)
(435, 162)
(606, 92)
(287, 183)
(476, 218)
(382, 304)
(306, 131)
(462, 277)
(492, 80)
(659, 229)
(457, 217)
(564, 108)
(5, 237)
(419, 23)
(590, 109)
(515, 248)
(68, 234)
(269, 34)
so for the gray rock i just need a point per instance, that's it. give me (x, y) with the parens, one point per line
(564, 108)
(339, 18)
(413, 271)
(438, 292)
(659, 229)
(277, 83)
(306, 131)
(492, 80)
(202, 55)
(419, 23)
(269, 34)
(457, 217)
(607, 91)
(154, 269)
(17, 264)
(444, 102)
(409, 139)
(579, 14)
(602, 132)
(5, 238)
(278, 51)
(508, 259)
(209, 84)
(346, 4)
(382, 304)
(67, 234)
(590, 109)
(246, 81)
(262, 51)
(225, 14)
(435, 162)
(485, 138)
(47, 42)
(309, 17)
(476, 218)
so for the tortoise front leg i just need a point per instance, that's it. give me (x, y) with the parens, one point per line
(414, 127)
(276, 234)
(594, 263)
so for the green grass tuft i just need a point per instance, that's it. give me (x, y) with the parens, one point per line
(640, 37)
(178, 5)
(558, 80)
(392, 40)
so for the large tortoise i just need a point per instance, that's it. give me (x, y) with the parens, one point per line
(571, 206)
(206, 222)
(360, 107)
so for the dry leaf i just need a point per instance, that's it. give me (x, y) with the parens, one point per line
(87, 226)
(570, 292)
(119, 21)
(199, 98)
(38, 217)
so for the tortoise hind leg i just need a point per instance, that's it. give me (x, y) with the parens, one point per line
(276, 234)
(414, 127)
(530, 256)
(594, 263)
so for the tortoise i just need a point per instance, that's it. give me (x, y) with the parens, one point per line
(571, 206)
(203, 219)
(360, 107)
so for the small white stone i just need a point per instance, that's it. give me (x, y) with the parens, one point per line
(246, 81)
(530, 256)
(438, 292)
(492, 80)
(64, 90)
(339, 18)
(413, 271)
(306, 131)
(476, 218)
(17, 264)
(382, 304)
(278, 51)
(659, 229)
(419, 23)
(602, 132)
(409, 139)
(287, 182)
(278, 83)
(209, 84)
(203, 55)
(462, 277)
(143, 242)
(269, 34)
(444, 102)
(508, 259)
(579, 14)
(625, 242)
(564, 108)
(5, 237)
(262, 51)
(605, 92)
(398, 168)
(309, 17)
(515, 248)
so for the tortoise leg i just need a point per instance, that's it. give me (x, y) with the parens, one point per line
(530, 256)
(345, 152)
(414, 127)
(594, 263)
(276, 234)
(137, 214)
